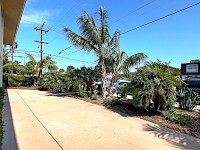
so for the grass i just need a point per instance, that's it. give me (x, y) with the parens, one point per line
(1, 112)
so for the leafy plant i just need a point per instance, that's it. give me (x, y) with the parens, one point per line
(108, 102)
(83, 90)
(174, 116)
(1, 111)
(187, 98)
(93, 93)
(19, 80)
(171, 115)
(152, 83)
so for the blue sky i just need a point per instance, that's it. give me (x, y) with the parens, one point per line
(175, 39)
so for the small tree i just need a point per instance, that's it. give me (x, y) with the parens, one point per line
(153, 83)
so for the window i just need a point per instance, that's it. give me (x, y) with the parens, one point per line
(192, 68)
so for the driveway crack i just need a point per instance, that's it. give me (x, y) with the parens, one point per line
(40, 122)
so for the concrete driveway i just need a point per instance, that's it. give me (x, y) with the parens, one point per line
(35, 121)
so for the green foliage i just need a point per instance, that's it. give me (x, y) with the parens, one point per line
(92, 93)
(1, 112)
(187, 98)
(195, 61)
(69, 81)
(108, 102)
(174, 116)
(59, 81)
(171, 115)
(14, 67)
(83, 90)
(19, 80)
(152, 83)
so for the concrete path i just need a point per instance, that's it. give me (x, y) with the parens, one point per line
(35, 121)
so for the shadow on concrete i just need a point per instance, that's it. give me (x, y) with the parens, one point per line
(9, 137)
(175, 138)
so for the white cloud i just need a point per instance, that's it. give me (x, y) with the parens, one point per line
(35, 17)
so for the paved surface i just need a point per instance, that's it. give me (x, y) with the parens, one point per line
(35, 121)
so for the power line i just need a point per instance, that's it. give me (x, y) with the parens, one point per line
(73, 52)
(117, 20)
(54, 26)
(64, 49)
(66, 58)
(160, 18)
(72, 59)
(159, 6)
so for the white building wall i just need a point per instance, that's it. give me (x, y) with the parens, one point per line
(1, 44)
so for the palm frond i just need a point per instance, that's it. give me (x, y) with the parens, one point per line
(104, 28)
(31, 57)
(79, 41)
(89, 29)
(134, 60)
(114, 42)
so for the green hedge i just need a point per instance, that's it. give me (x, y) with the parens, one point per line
(1, 112)
(16, 81)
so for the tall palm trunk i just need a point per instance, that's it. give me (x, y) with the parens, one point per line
(103, 79)
(112, 83)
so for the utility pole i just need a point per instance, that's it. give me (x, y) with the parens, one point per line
(12, 49)
(41, 42)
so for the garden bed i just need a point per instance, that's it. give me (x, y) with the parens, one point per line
(126, 109)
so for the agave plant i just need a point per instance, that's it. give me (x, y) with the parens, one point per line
(187, 98)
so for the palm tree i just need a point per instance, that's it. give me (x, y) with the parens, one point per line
(118, 61)
(48, 63)
(32, 64)
(94, 37)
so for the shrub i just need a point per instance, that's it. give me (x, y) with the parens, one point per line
(174, 116)
(108, 102)
(187, 99)
(60, 82)
(1, 111)
(16, 81)
(82, 90)
(152, 83)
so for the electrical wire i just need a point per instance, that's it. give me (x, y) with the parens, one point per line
(73, 52)
(66, 58)
(61, 19)
(153, 9)
(126, 15)
(160, 18)
(64, 49)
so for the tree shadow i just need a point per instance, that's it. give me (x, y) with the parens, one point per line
(9, 137)
(173, 137)
(126, 109)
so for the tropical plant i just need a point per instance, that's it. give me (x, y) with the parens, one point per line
(32, 66)
(59, 81)
(94, 37)
(153, 83)
(93, 93)
(83, 90)
(14, 67)
(118, 61)
(108, 102)
(70, 68)
(49, 64)
(187, 98)
(173, 115)
(19, 80)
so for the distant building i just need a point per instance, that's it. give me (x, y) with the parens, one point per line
(10, 16)
(190, 74)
